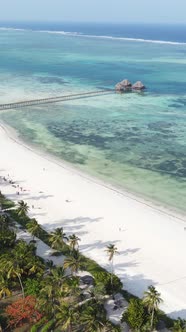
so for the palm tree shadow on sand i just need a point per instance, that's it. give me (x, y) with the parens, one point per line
(74, 225)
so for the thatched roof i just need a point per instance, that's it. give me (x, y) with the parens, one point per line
(126, 83)
(123, 85)
(138, 86)
(119, 87)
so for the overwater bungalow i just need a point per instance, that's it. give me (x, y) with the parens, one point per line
(126, 85)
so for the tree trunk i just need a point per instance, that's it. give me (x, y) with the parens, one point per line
(152, 320)
(79, 304)
(112, 271)
(23, 293)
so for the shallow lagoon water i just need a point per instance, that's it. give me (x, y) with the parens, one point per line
(134, 141)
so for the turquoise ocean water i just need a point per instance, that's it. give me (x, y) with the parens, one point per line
(134, 141)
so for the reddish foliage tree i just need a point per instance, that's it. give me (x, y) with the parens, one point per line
(22, 311)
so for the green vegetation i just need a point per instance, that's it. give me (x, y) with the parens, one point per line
(143, 315)
(135, 316)
(179, 326)
(38, 293)
(22, 209)
(152, 300)
(34, 228)
(57, 239)
(53, 294)
(111, 251)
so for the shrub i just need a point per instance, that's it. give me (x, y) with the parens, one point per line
(104, 278)
(23, 311)
(179, 325)
(7, 238)
(135, 315)
(32, 286)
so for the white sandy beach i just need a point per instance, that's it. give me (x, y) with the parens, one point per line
(152, 244)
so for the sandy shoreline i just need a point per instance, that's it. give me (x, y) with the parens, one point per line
(151, 243)
(14, 136)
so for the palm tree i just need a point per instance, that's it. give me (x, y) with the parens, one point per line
(12, 269)
(4, 222)
(71, 287)
(93, 319)
(22, 209)
(74, 242)
(98, 293)
(151, 300)
(23, 251)
(7, 238)
(51, 291)
(73, 262)
(66, 316)
(48, 297)
(34, 228)
(57, 238)
(34, 266)
(111, 251)
(179, 326)
(4, 288)
(58, 275)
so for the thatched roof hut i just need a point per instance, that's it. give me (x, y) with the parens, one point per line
(126, 83)
(138, 86)
(123, 85)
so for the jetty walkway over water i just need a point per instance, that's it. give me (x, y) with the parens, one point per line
(56, 99)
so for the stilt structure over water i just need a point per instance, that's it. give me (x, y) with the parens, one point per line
(126, 85)
(56, 99)
(123, 86)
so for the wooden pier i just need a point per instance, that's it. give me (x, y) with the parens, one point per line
(56, 99)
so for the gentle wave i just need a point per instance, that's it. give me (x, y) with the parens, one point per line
(15, 29)
(79, 34)
(64, 33)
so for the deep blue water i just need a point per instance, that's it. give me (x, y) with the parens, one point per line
(161, 32)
